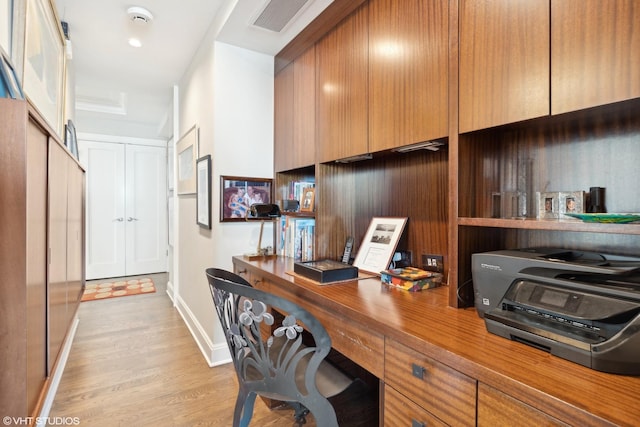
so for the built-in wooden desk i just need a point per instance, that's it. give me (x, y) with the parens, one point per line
(469, 376)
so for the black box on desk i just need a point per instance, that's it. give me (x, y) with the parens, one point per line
(326, 270)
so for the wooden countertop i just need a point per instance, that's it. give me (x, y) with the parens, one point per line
(458, 338)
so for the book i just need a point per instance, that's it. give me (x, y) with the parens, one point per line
(411, 278)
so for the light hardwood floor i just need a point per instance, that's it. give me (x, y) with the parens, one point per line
(134, 363)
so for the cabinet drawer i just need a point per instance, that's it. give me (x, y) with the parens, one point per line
(441, 390)
(496, 408)
(400, 411)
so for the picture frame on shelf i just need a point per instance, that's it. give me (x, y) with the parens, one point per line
(187, 153)
(307, 204)
(571, 202)
(379, 244)
(70, 138)
(548, 205)
(203, 192)
(44, 62)
(237, 194)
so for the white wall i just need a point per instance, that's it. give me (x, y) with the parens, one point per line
(228, 93)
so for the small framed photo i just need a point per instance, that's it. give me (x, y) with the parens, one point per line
(187, 153)
(237, 194)
(308, 199)
(571, 202)
(548, 205)
(203, 192)
(379, 244)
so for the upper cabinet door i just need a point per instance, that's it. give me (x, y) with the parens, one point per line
(504, 62)
(595, 51)
(408, 57)
(283, 123)
(304, 112)
(342, 95)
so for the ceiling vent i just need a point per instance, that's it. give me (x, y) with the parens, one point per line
(276, 14)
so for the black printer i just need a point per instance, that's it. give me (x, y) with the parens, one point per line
(581, 306)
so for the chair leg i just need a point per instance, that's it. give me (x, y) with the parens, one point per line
(300, 413)
(244, 408)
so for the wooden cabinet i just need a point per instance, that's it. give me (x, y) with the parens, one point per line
(34, 212)
(504, 62)
(498, 409)
(400, 411)
(295, 110)
(304, 109)
(342, 90)
(408, 60)
(426, 382)
(595, 53)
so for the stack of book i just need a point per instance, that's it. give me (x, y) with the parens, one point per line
(296, 237)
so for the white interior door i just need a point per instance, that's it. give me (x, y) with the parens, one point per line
(126, 209)
(105, 221)
(146, 214)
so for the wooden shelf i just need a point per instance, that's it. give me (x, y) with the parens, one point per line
(299, 214)
(552, 225)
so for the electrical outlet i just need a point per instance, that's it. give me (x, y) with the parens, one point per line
(433, 263)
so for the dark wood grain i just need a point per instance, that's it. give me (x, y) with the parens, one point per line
(304, 109)
(400, 411)
(504, 62)
(595, 53)
(457, 338)
(283, 120)
(408, 59)
(342, 89)
(327, 20)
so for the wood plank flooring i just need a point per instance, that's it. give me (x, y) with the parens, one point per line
(134, 363)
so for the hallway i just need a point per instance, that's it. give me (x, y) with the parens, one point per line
(134, 363)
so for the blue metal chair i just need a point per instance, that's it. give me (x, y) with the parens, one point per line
(276, 365)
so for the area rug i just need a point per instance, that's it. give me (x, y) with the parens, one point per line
(97, 291)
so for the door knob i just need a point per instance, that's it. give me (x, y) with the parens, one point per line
(119, 219)
(132, 219)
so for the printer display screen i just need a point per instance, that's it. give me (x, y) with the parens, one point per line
(555, 298)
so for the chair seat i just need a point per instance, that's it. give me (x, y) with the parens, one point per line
(329, 379)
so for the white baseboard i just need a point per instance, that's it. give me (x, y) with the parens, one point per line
(215, 355)
(57, 374)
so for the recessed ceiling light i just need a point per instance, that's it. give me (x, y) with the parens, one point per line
(135, 42)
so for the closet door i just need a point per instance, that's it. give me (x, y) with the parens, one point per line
(145, 206)
(126, 209)
(105, 210)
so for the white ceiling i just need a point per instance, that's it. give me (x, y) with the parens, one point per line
(127, 91)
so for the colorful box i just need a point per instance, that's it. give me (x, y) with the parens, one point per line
(411, 279)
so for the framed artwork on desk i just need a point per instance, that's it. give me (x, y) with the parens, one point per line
(379, 244)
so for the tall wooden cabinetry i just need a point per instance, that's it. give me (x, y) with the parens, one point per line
(542, 96)
(31, 325)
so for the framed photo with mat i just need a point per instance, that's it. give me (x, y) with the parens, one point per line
(379, 244)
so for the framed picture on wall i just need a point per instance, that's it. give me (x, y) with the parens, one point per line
(203, 193)
(237, 194)
(187, 153)
(44, 62)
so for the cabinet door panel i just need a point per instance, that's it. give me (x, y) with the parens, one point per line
(408, 57)
(498, 409)
(504, 62)
(304, 112)
(57, 291)
(283, 124)
(341, 58)
(595, 53)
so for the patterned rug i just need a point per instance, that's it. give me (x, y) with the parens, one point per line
(96, 291)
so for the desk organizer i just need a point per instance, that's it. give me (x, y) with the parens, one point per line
(411, 279)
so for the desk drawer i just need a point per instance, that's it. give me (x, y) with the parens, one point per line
(401, 412)
(441, 390)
